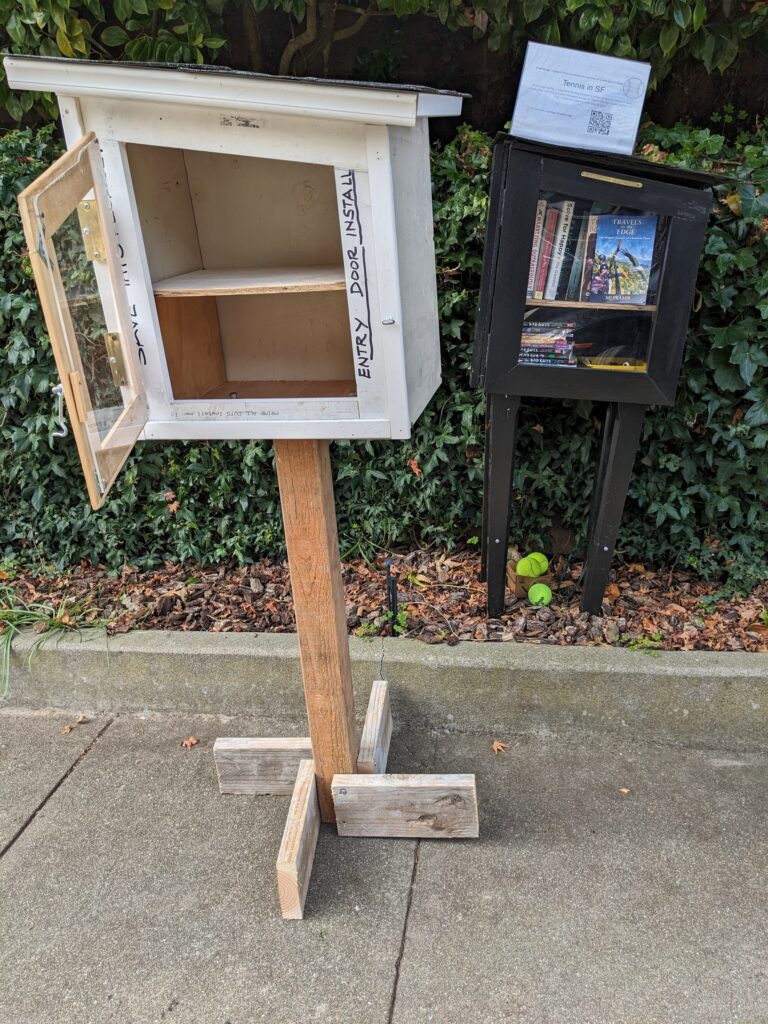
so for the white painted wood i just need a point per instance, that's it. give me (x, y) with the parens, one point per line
(359, 256)
(227, 93)
(388, 279)
(406, 806)
(297, 849)
(304, 140)
(412, 191)
(262, 766)
(255, 281)
(439, 104)
(377, 731)
(264, 419)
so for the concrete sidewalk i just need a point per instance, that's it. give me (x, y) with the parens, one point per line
(131, 892)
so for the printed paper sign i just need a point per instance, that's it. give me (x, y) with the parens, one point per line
(585, 100)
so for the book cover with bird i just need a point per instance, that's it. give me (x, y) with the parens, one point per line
(618, 268)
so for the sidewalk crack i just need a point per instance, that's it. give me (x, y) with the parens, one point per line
(25, 825)
(404, 936)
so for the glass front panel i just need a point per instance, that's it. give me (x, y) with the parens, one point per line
(81, 293)
(592, 285)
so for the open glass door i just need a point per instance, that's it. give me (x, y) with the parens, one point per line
(73, 251)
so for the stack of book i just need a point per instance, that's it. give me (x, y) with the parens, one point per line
(582, 255)
(547, 343)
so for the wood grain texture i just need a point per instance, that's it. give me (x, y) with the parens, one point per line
(256, 767)
(406, 806)
(192, 343)
(297, 849)
(377, 731)
(309, 518)
(256, 281)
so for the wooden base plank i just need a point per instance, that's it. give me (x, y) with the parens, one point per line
(257, 767)
(297, 849)
(377, 731)
(407, 806)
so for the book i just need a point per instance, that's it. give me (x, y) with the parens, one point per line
(562, 231)
(589, 256)
(547, 343)
(547, 239)
(570, 278)
(618, 269)
(538, 227)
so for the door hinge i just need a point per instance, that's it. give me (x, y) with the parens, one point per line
(115, 359)
(90, 226)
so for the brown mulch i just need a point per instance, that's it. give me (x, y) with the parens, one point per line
(440, 600)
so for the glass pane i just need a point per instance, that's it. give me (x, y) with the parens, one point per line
(87, 314)
(592, 285)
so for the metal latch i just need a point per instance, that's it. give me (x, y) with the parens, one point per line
(58, 391)
(115, 359)
(90, 225)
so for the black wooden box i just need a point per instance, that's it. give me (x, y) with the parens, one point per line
(588, 279)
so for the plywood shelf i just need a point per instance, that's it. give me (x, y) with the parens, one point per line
(611, 306)
(283, 389)
(256, 281)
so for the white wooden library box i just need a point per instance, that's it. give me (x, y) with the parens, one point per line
(228, 255)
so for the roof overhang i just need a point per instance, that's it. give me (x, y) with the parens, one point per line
(367, 104)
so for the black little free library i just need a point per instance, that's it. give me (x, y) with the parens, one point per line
(588, 278)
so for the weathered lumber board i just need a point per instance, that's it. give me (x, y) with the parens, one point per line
(377, 731)
(297, 849)
(409, 806)
(309, 518)
(255, 767)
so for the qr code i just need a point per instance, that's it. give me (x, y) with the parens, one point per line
(599, 123)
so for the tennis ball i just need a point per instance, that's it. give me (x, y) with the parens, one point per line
(539, 594)
(540, 560)
(527, 567)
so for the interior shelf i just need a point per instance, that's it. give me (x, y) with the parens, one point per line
(258, 281)
(283, 389)
(564, 304)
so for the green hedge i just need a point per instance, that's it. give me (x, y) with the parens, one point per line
(699, 495)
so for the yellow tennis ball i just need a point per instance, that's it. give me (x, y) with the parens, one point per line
(540, 594)
(527, 567)
(540, 560)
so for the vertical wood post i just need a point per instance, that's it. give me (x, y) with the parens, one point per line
(309, 518)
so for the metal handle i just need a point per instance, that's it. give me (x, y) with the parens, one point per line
(58, 390)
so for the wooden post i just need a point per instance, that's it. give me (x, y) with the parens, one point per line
(309, 518)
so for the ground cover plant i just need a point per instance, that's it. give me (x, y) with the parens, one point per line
(698, 498)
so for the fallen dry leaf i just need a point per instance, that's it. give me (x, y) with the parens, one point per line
(624, 791)
(190, 742)
(498, 747)
(611, 592)
(82, 720)
(415, 467)
(67, 729)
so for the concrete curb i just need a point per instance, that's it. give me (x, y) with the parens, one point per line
(702, 698)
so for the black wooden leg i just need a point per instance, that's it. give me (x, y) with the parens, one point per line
(500, 439)
(486, 484)
(621, 436)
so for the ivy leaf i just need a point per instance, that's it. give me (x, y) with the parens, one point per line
(757, 414)
(668, 38)
(699, 15)
(114, 36)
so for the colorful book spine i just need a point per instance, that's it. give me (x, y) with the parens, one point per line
(578, 232)
(547, 241)
(538, 227)
(558, 248)
(589, 257)
(573, 288)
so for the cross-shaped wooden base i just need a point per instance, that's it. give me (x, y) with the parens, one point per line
(367, 803)
(331, 777)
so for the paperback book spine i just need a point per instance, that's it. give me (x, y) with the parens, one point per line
(547, 240)
(538, 227)
(558, 248)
